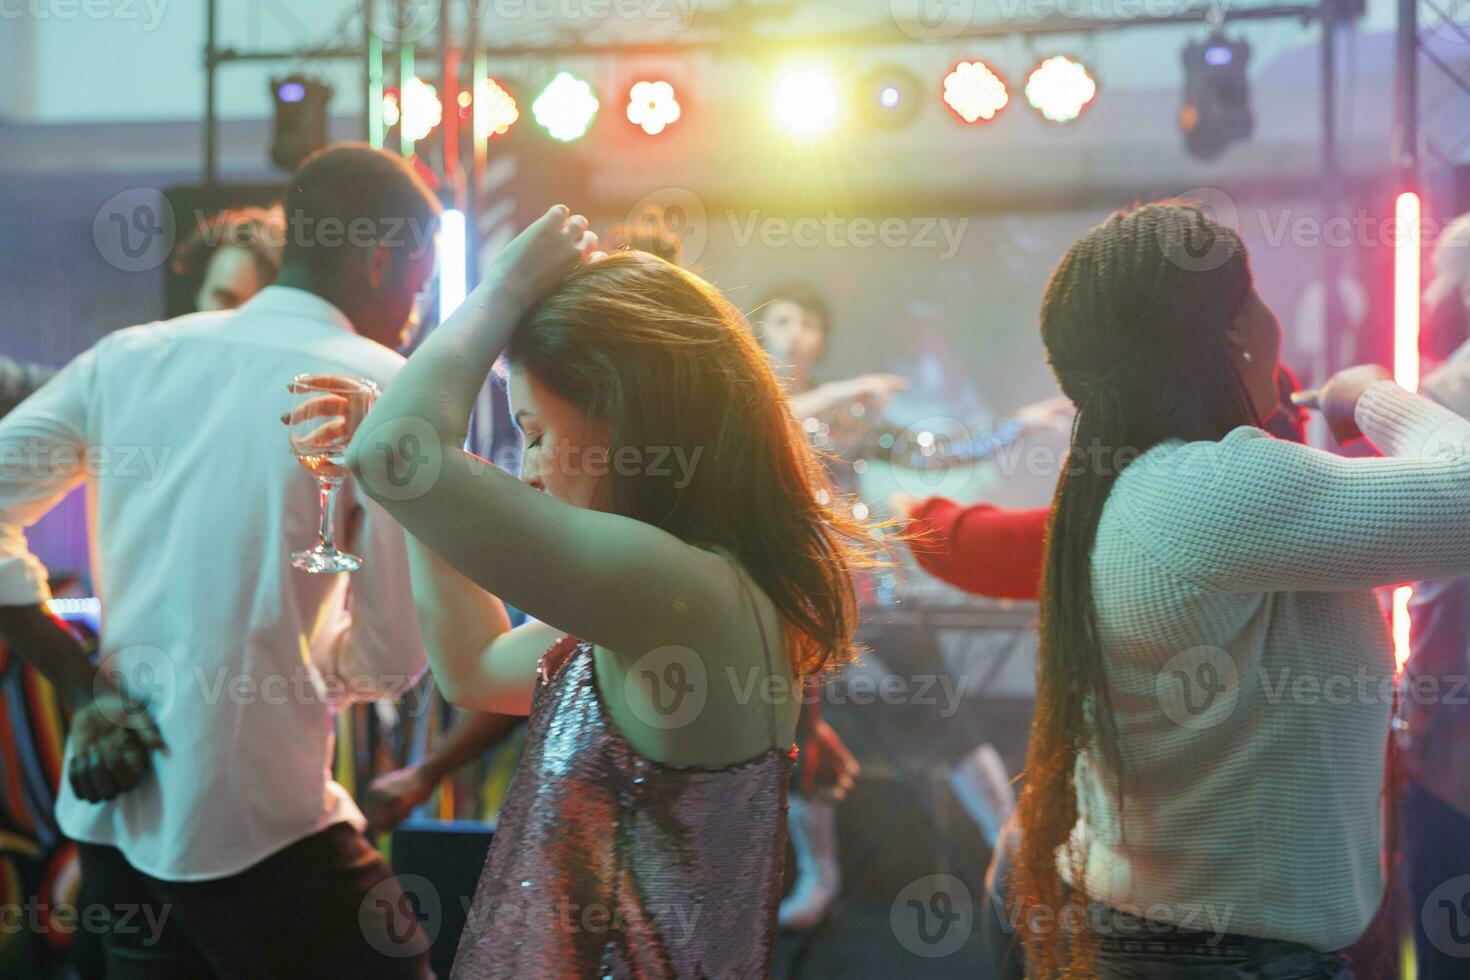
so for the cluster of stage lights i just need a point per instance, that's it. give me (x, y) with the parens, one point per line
(565, 108)
(805, 101)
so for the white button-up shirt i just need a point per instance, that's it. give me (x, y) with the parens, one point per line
(195, 504)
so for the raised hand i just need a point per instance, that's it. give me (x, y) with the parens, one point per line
(542, 255)
(1339, 399)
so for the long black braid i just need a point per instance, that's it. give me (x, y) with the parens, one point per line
(1135, 320)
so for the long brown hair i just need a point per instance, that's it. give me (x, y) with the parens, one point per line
(670, 364)
(1135, 321)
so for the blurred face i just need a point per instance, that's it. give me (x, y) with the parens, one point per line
(565, 452)
(793, 336)
(395, 281)
(230, 278)
(1257, 333)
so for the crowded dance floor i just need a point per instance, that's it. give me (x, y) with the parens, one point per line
(734, 489)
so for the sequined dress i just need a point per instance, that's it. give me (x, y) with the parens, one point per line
(608, 864)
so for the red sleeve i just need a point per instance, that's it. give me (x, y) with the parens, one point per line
(981, 549)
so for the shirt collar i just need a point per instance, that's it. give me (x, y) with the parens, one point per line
(288, 301)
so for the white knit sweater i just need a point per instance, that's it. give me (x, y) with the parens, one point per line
(1252, 667)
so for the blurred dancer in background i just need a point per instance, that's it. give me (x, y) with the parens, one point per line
(230, 257)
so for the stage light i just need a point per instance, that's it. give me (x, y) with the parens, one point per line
(1216, 110)
(452, 272)
(565, 107)
(301, 119)
(495, 109)
(416, 108)
(1060, 88)
(804, 101)
(1406, 299)
(973, 91)
(890, 97)
(653, 106)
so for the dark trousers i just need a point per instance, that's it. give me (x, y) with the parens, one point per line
(1436, 844)
(326, 906)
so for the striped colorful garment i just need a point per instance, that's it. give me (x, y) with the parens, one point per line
(38, 865)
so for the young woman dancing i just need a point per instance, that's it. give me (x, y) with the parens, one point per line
(667, 533)
(1215, 676)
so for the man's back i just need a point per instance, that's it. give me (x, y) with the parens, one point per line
(196, 503)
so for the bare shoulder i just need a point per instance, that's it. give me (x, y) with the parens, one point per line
(724, 696)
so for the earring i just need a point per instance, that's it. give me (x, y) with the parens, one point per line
(1247, 355)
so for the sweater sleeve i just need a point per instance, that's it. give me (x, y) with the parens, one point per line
(981, 549)
(1256, 514)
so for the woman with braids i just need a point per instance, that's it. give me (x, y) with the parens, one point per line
(669, 534)
(1215, 675)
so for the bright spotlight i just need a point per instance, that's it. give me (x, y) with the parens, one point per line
(652, 106)
(417, 107)
(1060, 88)
(495, 109)
(974, 92)
(565, 107)
(805, 102)
(452, 248)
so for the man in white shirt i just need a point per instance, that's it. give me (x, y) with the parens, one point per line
(199, 759)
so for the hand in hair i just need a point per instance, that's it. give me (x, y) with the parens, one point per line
(541, 256)
(1339, 399)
